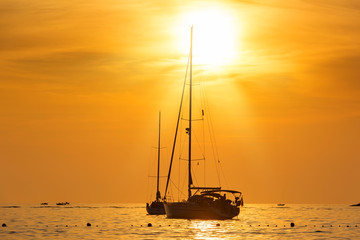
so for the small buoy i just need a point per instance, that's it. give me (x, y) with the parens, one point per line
(149, 225)
(292, 224)
(88, 224)
(330, 225)
(218, 224)
(267, 225)
(3, 225)
(97, 226)
(347, 226)
(275, 225)
(66, 225)
(159, 225)
(75, 225)
(131, 225)
(169, 225)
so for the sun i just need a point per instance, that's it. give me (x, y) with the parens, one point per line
(214, 35)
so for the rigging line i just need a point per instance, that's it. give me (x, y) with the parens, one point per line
(223, 173)
(199, 145)
(198, 159)
(217, 154)
(202, 105)
(179, 190)
(195, 181)
(213, 141)
(182, 181)
(181, 146)
(177, 126)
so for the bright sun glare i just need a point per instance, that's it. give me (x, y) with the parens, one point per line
(214, 36)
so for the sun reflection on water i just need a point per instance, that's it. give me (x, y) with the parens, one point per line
(207, 230)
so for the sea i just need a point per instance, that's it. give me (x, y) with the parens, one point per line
(130, 221)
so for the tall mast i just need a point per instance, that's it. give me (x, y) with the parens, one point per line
(158, 168)
(190, 113)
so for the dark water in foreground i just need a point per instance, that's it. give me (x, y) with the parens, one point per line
(129, 221)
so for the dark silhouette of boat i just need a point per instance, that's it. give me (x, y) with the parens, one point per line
(355, 205)
(202, 202)
(157, 207)
(44, 204)
(62, 203)
(206, 204)
(281, 204)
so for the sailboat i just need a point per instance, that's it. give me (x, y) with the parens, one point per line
(202, 202)
(157, 207)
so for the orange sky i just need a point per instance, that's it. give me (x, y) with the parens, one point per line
(81, 84)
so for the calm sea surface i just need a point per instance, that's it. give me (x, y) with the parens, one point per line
(129, 221)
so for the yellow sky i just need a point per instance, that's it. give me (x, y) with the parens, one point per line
(81, 84)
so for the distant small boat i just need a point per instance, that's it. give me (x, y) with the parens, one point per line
(157, 206)
(62, 203)
(355, 205)
(281, 204)
(44, 203)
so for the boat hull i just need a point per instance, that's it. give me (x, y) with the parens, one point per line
(155, 208)
(193, 210)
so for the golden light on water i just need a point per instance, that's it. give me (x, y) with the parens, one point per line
(206, 230)
(215, 35)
